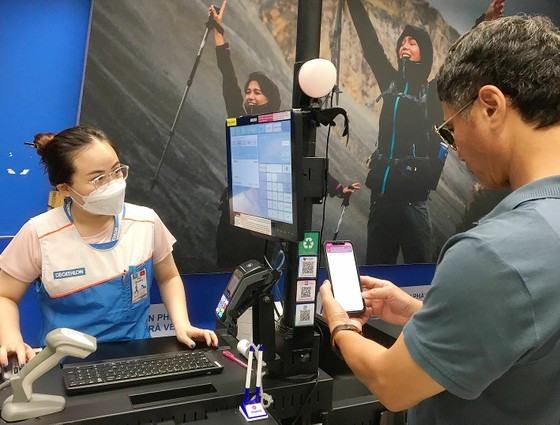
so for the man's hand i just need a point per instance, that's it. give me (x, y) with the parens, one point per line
(495, 10)
(333, 312)
(387, 301)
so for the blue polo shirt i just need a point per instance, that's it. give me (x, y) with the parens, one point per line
(489, 330)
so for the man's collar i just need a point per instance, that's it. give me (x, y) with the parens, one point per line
(548, 187)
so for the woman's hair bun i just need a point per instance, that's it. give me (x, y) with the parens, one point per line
(41, 141)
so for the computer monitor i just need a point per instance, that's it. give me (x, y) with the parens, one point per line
(264, 167)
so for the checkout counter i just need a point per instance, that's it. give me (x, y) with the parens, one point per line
(209, 399)
(335, 397)
(330, 397)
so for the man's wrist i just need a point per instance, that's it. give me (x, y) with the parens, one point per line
(417, 306)
(343, 327)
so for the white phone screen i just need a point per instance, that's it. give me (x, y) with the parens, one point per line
(344, 275)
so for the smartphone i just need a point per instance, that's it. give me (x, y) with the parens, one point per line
(342, 272)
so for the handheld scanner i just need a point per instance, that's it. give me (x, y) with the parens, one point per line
(61, 342)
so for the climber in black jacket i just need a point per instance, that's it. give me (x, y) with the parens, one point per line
(409, 158)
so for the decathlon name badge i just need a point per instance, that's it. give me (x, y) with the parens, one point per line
(139, 285)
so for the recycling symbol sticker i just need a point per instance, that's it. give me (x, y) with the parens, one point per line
(309, 244)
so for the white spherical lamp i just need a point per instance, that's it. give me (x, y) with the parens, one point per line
(317, 77)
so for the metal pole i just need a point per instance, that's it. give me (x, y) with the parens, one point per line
(307, 43)
(307, 47)
(185, 93)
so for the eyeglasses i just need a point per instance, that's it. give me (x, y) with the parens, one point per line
(118, 173)
(445, 133)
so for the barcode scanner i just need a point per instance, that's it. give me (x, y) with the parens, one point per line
(11, 370)
(23, 404)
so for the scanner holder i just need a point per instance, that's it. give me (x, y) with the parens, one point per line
(23, 404)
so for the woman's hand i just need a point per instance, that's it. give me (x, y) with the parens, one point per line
(495, 10)
(218, 17)
(351, 188)
(189, 334)
(387, 301)
(23, 351)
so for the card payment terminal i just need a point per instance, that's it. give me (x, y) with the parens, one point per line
(248, 281)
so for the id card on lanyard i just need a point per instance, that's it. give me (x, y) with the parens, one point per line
(138, 284)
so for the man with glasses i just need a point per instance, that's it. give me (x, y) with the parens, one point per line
(484, 346)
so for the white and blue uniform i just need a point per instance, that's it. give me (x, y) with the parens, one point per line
(91, 288)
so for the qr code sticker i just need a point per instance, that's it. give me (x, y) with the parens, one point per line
(307, 267)
(305, 291)
(304, 315)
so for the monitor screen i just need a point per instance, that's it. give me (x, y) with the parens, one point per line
(261, 179)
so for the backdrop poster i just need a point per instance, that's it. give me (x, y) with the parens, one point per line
(140, 56)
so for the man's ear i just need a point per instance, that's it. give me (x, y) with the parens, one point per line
(64, 189)
(494, 104)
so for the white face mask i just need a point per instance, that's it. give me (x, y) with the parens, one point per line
(107, 200)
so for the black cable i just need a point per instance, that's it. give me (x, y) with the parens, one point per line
(326, 99)
(5, 385)
(276, 310)
(266, 248)
(316, 325)
(307, 397)
(327, 172)
(300, 411)
(281, 327)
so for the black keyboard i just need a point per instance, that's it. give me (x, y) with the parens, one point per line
(104, 375)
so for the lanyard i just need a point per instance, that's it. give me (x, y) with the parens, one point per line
(116, 225)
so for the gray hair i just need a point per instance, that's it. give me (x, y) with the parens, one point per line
(519, 54)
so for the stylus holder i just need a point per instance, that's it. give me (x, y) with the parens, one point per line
(251, 408)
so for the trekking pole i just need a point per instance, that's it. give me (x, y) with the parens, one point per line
(211, 23)
(345, 203)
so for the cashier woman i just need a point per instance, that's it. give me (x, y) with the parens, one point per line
(92, 260)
